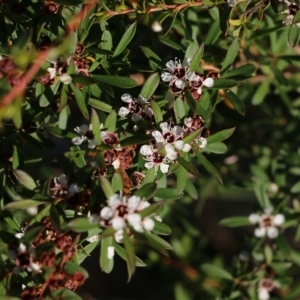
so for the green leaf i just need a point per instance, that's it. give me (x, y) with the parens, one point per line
(16, 157)
(157, 112)
(31, 233)
(100, 105)
(168, 194)
(150, 85)
(235, 222)
(294, 35)
(82, 79)
(150, 176)
(179, 110)
(157, 242)
(216, 271)
(208, 166)
(261, 195)
(283, 245)
(230, 55)
(224, 83)
(86, 251)
(80, 100)
(106, 186)
(64, 294)
(236, 102)
(96, 126)
(49, 93)
(218, 148)
(117, 182)
(192, 49)
(190, 100)
(151, 209)
(188, 166)
(130, 256)
(268, 254)
(119, 81)
(181, 179)
(106, 264)
(168, 24)
(190, 189)
(81, 225)
(71, 268)
(295, 188)
(136, 140)
(126, 39)
(111, 122)
(161, 228)
(147, 190)
(55, 218)
(241, 73)
(121, 252)
(25, 179)
(153, 57)
(220, 136)
(192, 136)
(196, 60)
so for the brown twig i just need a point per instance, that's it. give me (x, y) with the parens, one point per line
(42, 56)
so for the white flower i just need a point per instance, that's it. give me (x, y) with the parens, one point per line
(156, 160)
(202, 142)
(263, 294)
(52, 72)
(156, 26)
(265, 286)
(170, 136)
(118, 223)
(231, 3)
(86, 134)
(94, 218)
(65, 78)
(291, 11)
(110, 252)
(267, 223)
(139, 107)
(148, 224)
(93, 238)
(122, 212)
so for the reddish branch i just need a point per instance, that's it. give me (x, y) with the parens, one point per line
(42, 56)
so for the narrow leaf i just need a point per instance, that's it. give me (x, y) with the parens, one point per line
(150, 85)
(126, 39)
(188, 166)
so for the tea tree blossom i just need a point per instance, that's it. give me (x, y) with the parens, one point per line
(158, 160)
(170, 136)
(291, 11)
(197, 82)
(176, 74)
(138, 108)
(267, 223)
(86, 134)
(122, 212)
(265, 286)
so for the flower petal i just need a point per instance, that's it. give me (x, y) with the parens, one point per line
(65, 78)
(118, 223)
(166, 77)
(123, 112)
(136, 117)
(146, 150)
(272, 232)
(158, 136)
(278, 219)
(254, 218)
(142, 100)
(260, 232)
(126, 98)
(78, 140)
(164, 168)
(208, 82)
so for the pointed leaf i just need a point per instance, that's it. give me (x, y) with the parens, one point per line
(294, 35)
(231, 54)
(106, 186)
(106, 263)
(119, 81)
(220, 136)
(25, 179)
(157, 112)
(80, 100)
(81, 225)
(22, 204)
(188, 166)
(236, 102)
(215, 271)
(150, 85)
(121, 252)
(196, 60)
(130, 256)
(235, 222)
(126, 39)
(208, 166)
